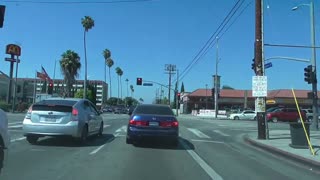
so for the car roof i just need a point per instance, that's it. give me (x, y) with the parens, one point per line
(154, 105)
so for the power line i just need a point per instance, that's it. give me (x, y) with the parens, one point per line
(77, 2)
(204, 50)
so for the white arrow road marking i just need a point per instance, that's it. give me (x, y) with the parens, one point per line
(198, 133)
(221, 133)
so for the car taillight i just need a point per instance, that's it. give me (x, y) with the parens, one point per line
(75, 112)
(28, 115)
(169, 124)
(138, 123)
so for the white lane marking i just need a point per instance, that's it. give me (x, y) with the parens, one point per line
(221, 125)
(96, 150)
(238, 129)
(120, 135)
(106, 125)
(116, 135)
(221, 133)
(18, 139)
(15, 126)
(214, 175)
(198, 133)
(201, 140)
(122, 129)
(13, 123)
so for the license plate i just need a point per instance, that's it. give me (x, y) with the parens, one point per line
(153, 124)
(50, 120)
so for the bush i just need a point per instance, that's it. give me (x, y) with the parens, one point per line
(5, 106)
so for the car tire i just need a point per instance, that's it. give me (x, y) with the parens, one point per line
(100, 129)
(255, 118)
(274, 119)
(32, 139)
(236, 118)
(84, 135)
(310, 118)
(1, 157)
(128, 141)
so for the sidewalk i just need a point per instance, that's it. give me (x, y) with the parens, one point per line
(278, 143)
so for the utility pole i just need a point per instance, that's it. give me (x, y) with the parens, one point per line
(261, 115)
(177, 100)
(216, 108)
(170, 69)
(34, 88)
(206, 96)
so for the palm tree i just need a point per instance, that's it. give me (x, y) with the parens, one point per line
(120, 74)
(106, 54)
(87, 23)
(118, 71)
(132, 90)
(110, 63)
(70, 66)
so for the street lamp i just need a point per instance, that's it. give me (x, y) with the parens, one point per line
(313, 62)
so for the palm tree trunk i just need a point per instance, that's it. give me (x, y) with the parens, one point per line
(85, 67)
(110, 83)
(121, 87)
(118, 88)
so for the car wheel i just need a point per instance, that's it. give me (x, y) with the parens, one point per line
(84, 135)
(128, 141)
(255, 118)
(236, 118)
(1, 157)
(310, 118)
(32, 139)
(100, 129)
(274, 119)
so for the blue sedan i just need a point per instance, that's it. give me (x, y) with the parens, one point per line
(152, 121)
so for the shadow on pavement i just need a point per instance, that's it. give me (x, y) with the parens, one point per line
(161, 144)
(71, 142)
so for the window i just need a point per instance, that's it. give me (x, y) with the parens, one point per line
(150, 109)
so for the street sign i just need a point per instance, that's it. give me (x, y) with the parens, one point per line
(147, 84)
(12, 60)
(259, 86)
(260, 105)
(268, 65)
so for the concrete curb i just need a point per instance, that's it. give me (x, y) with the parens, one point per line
(313, 164)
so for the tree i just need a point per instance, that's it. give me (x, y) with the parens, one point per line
(70, 66)
(131, 101)
(87, 23)
(132, 90)
(182, 88)
(106, 54)
(227, 87)
(90, 95)
(110, 63)
(112, 101)
(119, 73)
(141, 100)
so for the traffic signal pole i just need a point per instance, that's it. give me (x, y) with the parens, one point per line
(261, 115)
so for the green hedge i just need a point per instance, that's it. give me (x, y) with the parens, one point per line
(5, 106)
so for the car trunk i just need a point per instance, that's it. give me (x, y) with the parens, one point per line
(51, 114)
(156, 122)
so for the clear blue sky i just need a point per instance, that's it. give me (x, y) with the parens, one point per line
(145, 36)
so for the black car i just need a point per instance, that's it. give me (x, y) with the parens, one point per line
(152, 121)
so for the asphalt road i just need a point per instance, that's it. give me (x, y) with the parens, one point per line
(208, 149)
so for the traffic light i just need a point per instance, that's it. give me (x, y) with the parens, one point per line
(50, 88)
(139, 81)
(253, 66)
(212, 92)
(308, 74)
(2, 10)
(178, 96)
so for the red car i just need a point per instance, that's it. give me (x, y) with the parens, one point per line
(286, 114)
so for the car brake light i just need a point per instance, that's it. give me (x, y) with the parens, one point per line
(28, 115)
(175, 124)
(169, 124)
(138, 123)
(75, 112)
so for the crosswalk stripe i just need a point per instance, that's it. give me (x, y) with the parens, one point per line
(221, 133)
(122, 129)
(198, 133)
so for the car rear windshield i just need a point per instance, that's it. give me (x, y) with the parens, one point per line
(159, 110)
(54, 105)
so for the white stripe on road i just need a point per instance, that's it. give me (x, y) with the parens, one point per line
(198, 133)
(221, 133)
(106, 125)
(18, 139)
(237, 129)
(201, 140)
(13, 123)
(15, 126)
(98, 149)
(122, 129)
(214, 175)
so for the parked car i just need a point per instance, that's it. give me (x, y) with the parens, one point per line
(152, 121)
(309, 113)
(4, 138)
(73, 117)
(247, 114)
(285, 114)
